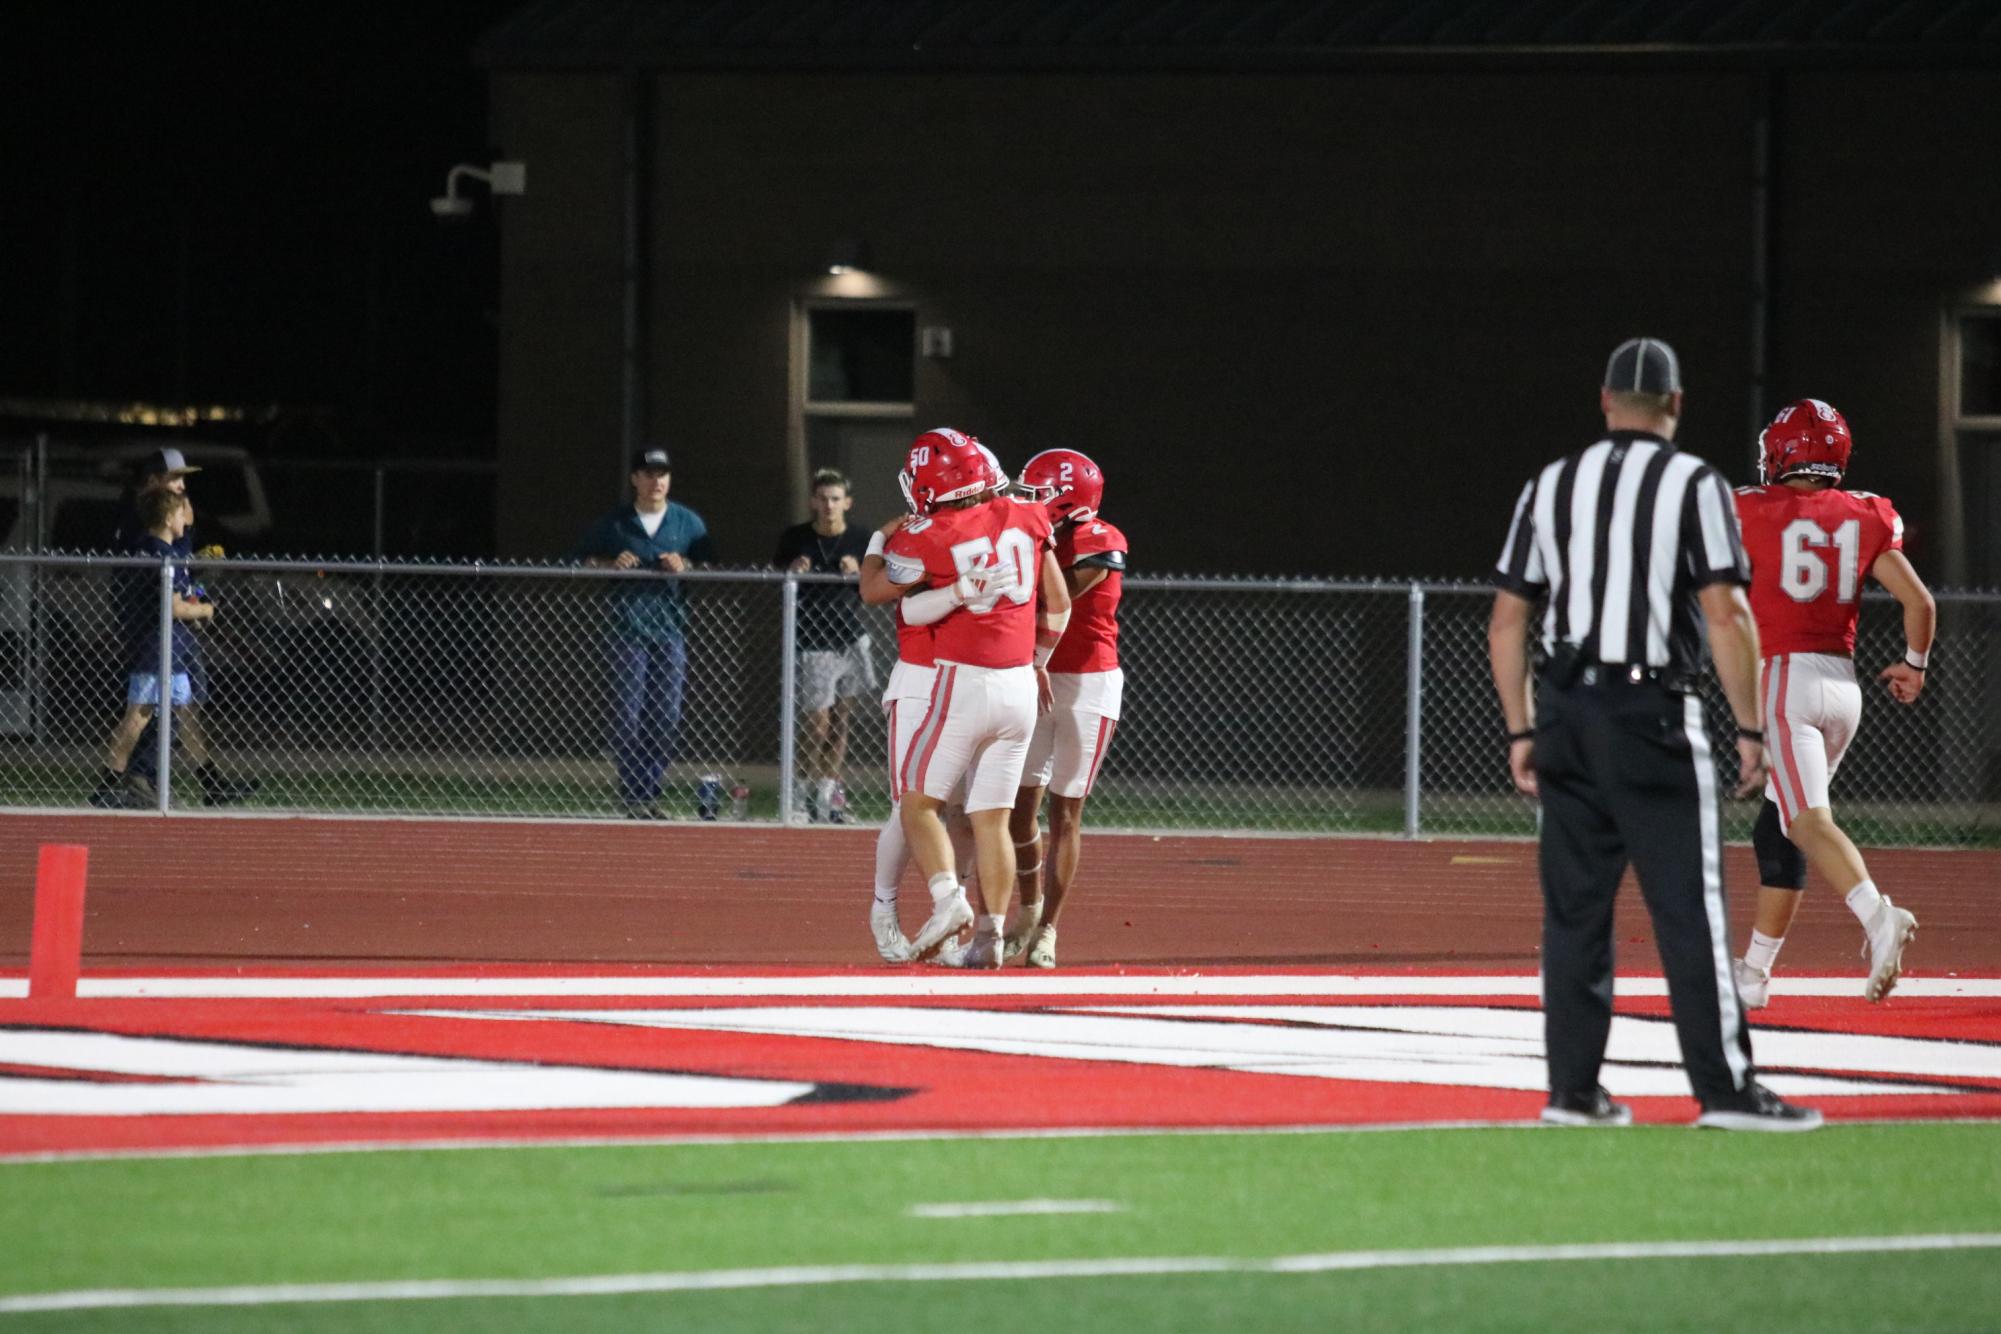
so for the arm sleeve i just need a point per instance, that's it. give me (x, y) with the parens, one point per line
(701, 547)
(903, 560)
(1712, 542)
(930, 606)
(1893, 522)
(1520, 568)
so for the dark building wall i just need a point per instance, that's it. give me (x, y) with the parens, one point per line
(562, 257)
(1891, 212)
(1321, 323)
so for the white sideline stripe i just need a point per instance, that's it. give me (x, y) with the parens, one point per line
(1014, 1208)
(715, 1280)
(929, 984)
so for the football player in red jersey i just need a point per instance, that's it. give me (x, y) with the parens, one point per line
(904, 700)
(1811, 545)
(1086, 687)
(978, 560)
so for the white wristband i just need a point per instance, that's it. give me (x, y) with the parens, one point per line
(876, 542)
(1913, 658)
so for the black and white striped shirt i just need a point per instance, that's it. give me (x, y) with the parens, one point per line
(1620, 537)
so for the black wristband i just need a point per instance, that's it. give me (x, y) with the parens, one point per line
(1914, 666)
(1526, 734)
(1750, 734)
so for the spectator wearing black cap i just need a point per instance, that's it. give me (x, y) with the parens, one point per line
(1634, 549)
(166, 469)
(647, 653)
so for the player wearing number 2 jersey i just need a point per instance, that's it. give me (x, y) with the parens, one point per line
(1812, 544)
(979, 559)
(1087, 687)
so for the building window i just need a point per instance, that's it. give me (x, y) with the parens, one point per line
(860, 354)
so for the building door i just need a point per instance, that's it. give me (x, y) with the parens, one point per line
(854, 385)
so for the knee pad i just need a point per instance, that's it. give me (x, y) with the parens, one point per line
(1781, 864)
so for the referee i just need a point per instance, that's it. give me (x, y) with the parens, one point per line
(1633, 548)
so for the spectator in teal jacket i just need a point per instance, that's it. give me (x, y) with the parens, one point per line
(647, 648)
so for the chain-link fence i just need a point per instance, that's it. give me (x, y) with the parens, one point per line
(1298, 706)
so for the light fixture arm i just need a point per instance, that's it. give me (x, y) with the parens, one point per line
(502, 178)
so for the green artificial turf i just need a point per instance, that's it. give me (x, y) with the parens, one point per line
(562, 1211)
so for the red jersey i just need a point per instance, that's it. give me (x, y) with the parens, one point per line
(913, 642)
(1091, 643)
(1810, 553)
(992, 632)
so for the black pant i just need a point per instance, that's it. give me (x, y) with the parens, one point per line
(1626, 774)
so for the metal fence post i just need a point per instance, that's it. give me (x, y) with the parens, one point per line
(1413, 754)
(788, 682)
(163, 711)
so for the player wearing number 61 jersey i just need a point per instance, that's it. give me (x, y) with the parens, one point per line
(977, 560)
(1812, 544)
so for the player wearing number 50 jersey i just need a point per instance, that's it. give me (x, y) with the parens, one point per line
(1812, 545)
(977, 560)
(1087, 687)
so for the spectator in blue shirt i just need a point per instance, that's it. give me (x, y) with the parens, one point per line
(167, 470)
(647, 650)
(165, 516)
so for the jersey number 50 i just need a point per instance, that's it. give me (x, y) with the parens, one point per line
(1803, 570)
(1012, 545)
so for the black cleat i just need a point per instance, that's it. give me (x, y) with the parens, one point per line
(1757, 1108)
(1594, 1108)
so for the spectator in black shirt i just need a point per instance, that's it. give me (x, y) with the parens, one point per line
(835, 666)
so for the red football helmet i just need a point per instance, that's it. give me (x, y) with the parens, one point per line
(946, 465)
(1067, 482)
(1807, 437)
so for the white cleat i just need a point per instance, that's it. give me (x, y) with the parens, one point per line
(1888, 932)
(1042, 950)
(949, 916)
(1754, 985)
(1025, 921)
(889, 941)
(952, 954)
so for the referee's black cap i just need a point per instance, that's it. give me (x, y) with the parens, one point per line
(653, 458)
(1644, 366)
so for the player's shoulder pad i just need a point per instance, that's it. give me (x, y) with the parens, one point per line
(1750, 490)
(916, 524)
(1095, 535)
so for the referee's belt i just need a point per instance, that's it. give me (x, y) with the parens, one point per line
(1622, 674)
(1567, 667)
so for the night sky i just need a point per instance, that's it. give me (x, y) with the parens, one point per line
(229, 203)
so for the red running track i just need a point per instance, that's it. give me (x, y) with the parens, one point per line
(233, 890)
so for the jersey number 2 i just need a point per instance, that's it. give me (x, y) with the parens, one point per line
(1802, 567)
(1013, 545)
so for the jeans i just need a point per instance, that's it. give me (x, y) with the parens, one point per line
(646, 681)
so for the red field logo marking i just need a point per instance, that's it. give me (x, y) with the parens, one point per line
(603, 1062)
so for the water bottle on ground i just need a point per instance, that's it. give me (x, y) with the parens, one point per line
(740, 802)
(709, 796)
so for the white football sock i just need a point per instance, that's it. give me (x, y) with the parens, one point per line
(1764, 949)
(892, 854)
(943, 886)
(1864, 900)
(825, 787)
(986, 925)
(960, 831)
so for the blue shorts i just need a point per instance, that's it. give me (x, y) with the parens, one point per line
(144, 688)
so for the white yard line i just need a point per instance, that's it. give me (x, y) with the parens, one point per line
(715, 1280)
(1014, 1208)
(913, 984)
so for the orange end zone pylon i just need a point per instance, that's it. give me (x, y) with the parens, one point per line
(56, 955)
